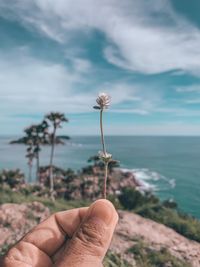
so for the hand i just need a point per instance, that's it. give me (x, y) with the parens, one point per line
(74, 238)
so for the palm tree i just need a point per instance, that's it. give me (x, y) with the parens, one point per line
(30, 156)
(56, 119)
(40, 138)
(28, 141)
(37, 133)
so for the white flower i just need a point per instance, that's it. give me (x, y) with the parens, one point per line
(103, 100)
(105, 156)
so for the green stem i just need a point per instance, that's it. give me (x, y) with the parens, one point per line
(104, 151)
(105, 180)
(102, 134)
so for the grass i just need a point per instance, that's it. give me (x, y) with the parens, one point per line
(8, 196)
(145, 256)
(114, 260)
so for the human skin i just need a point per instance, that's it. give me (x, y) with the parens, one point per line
(73, 238)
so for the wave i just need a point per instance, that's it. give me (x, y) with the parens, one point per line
(149, 180)
(74, 144)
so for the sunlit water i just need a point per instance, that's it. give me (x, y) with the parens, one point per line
(169, 165)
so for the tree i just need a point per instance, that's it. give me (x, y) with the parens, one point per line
(35, 136)
(95, 160)
(38, 135)
(27, 141)
(56, 119)
(30, 156)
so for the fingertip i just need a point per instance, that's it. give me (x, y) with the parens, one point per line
(104, 210)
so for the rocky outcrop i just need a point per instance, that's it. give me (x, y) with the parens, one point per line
(89, 186)
(84, 184)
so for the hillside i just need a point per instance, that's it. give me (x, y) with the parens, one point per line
(137, 241)
(134, 230)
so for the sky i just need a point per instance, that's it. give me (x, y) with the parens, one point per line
(59, 55)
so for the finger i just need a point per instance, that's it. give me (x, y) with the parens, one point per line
(50, 234)
(45, 239)
(90, 243)
(26, 255)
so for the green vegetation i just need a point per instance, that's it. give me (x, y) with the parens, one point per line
(12, 178)
(114, 260)
(9, 196)
(132, 199)
(165, 212)
(145, 256)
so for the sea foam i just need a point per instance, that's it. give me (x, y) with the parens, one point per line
(149, 180)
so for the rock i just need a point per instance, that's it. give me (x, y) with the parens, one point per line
(18, 219)
(158, 236)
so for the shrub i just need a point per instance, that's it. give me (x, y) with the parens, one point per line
(131, 198)
(170, 204)
(12, 177)
(146, 256)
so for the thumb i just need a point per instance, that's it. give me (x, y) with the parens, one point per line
(90, 243)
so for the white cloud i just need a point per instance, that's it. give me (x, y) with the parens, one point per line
(193, 101)
(192, 92)
(121, 91)
(189, 89)
(31, 86)
(131, 111)
(144, 36)
(179, 112)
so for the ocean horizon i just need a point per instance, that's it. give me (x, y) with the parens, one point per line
(169, 165)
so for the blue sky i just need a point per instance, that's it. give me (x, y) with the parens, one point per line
(58, 55)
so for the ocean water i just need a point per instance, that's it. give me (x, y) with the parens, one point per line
(169, 165)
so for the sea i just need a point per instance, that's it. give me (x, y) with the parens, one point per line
(170, 166)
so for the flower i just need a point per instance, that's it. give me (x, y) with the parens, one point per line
(103, 101)
(106, 157)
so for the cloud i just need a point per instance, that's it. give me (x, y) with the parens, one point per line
(193, 101)
(192, 93)
(30, 85)
(34, 86)
(188, 89)
(121, 92)
(142, 36)
(179, 112)
(131, 111)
